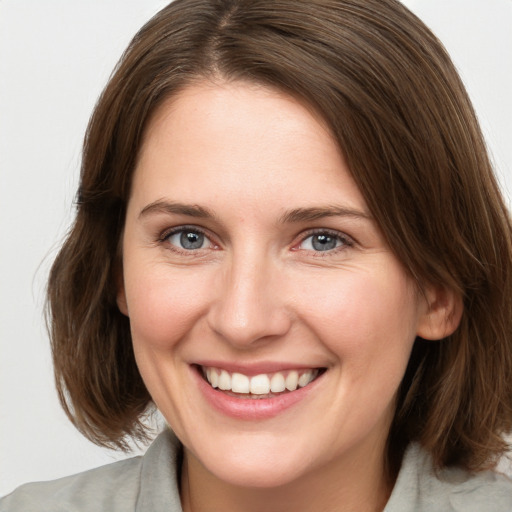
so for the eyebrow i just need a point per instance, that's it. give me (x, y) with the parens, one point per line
(292, 216)
(312, 214)
(191, 210)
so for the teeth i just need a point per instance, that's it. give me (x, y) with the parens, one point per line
(292, 381)
(262, 384)
(213, 378)
(277, 383)
(305, 379)
(224, 381)
(240, 383)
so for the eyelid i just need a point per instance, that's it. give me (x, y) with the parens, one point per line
(347, 240)
(167, 233)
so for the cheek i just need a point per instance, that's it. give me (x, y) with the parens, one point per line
(163, 306)
(368, 320)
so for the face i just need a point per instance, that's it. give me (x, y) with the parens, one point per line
(271, 323)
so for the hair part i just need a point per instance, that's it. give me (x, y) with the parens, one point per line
(394, 102)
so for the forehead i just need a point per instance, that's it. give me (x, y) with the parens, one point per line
(241, 139)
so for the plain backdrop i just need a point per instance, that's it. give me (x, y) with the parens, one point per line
(55, 57)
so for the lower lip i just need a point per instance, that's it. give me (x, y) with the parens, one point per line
(251, 408)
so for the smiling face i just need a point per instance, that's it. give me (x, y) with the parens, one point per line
(251, 260)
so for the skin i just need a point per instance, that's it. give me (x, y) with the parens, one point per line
(257, 290)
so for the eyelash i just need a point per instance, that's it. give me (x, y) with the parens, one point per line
(345, 240)
(166, 235)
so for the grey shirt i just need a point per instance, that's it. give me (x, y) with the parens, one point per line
(149, 484)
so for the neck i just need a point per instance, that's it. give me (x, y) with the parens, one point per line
(340, 486)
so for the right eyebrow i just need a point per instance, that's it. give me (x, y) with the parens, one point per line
(162, 206)
(316, 213)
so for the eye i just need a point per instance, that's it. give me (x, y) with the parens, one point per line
(188, 239)
(324, 241)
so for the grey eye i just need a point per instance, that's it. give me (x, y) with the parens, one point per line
(321, 242)
(189, 240)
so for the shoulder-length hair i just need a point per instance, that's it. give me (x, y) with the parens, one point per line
(400, 114)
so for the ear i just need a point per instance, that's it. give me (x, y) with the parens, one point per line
(442, 313)
(120, 291)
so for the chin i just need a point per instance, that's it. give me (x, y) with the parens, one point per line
(255, 463)
(244, 473)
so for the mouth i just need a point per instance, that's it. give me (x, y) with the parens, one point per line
(261, 386)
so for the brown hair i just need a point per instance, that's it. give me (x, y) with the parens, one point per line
(400, 113)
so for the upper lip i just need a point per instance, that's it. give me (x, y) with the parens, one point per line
(256, 368)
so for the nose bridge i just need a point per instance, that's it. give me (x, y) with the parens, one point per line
(249, 306)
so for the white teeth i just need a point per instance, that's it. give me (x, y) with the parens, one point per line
(213, 378)
(262, 384)
(240, 383)
(224, 381)
(305, 378)
(277, 384)
(292, 381)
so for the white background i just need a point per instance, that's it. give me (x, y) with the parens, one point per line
(55, 57)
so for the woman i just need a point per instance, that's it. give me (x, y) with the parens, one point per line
(289, 239)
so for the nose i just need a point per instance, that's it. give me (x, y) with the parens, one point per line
(250, 305)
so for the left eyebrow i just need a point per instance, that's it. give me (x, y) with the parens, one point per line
(169, 207)
(311, 214)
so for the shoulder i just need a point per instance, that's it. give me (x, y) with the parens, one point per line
(139, 484)
(113, 487)
(420, 488)
(463, 491)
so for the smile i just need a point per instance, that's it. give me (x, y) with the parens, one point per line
(256, 394)
(264, 385)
